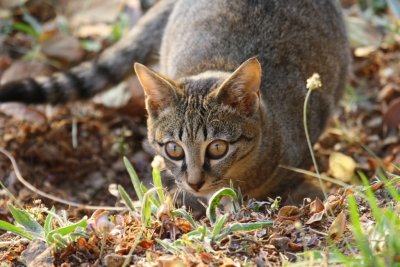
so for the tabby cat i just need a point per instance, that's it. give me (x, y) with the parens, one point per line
(228, 104)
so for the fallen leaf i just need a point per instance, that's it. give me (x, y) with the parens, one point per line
(288, 213)
(341, 166)
(87, 12)
(63, 47)
(23, 112)
(295, 247)
(281, 243)
(316, 217)
(229, 263)
(170, 261)
(377, 185)
(316, 206)
(183, 225)
(332, 202)
(338, 226)
(146, 244)
(97, 30)
(113, 260)
(25, 69)
(391, 117)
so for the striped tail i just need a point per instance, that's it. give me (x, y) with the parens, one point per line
(89, 78)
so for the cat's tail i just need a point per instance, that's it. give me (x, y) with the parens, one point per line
(90, 78)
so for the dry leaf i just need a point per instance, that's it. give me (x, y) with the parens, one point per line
(341, 166)
(25, 69)
(316, 206)
(63, 47)
(281, 242)
(230, 263)
(338, 226)
(23, 112)
(315, 217)
(288, 213)
(295, 247)
(391, 118)
(87, 12)
(332, 202)
(170, 261)
(182, 224)
(377, 185)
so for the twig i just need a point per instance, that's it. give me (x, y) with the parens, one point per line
(48, 196)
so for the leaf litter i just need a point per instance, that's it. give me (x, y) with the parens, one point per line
(74, 151)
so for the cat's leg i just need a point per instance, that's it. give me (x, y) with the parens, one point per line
(90, 78)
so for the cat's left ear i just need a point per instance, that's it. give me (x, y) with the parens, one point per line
(159, 90)
(241, 90)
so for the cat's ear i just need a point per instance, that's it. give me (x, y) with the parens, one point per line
(159, 90)
(241, 90)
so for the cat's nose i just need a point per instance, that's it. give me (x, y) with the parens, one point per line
(196, 186)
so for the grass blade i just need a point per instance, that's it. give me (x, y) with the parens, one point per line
(360, 238)
(48, 222)
(126, 198)
(15, 230)
(243, 227)
(134, 178)
(168, 246)
(184, 214)
(218, 226)
(67, 230)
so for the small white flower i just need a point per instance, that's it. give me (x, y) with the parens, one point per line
(314, 82)
(158, 163)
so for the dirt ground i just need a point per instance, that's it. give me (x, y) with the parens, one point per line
(74, 151)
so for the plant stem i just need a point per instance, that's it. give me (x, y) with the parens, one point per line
(306, 100)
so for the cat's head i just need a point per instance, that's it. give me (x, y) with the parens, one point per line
(206, 127)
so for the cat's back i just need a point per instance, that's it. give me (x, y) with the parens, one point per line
(219, 34)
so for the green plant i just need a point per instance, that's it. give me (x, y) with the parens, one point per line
(29, 228)
(153, 200)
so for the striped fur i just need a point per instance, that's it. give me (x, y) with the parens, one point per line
(89, 78)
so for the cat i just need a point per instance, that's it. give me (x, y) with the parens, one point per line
(227, 103)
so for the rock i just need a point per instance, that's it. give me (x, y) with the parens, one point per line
(37, 254)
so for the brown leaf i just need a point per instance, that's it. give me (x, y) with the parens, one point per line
(24, 69)
(338, 226)
(183, 225)
(391, 117)
(316, 217)
(82, 12)
(229, 263)
(63, 47)
(170, 261)
(377, 185)
(146, 244)
(341, 166)
(23, 113)
(280, 243)
(291, 213)
(316, 206)
(295, 247)
(332, 202)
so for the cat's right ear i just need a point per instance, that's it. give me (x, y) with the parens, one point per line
(159, 90)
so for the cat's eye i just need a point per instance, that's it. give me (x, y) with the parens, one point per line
(217, 149)
(174, 151)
